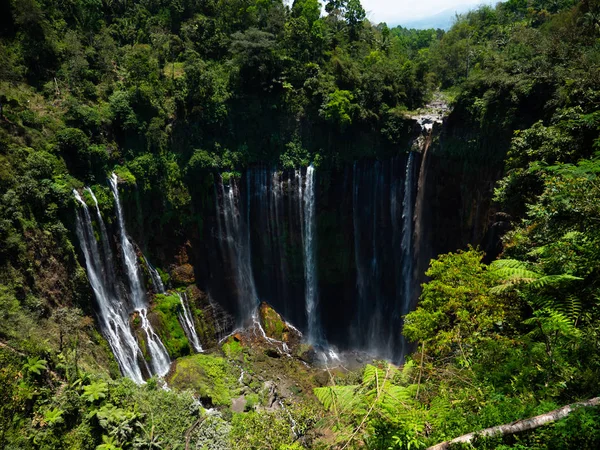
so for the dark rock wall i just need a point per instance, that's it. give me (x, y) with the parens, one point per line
(453, 208)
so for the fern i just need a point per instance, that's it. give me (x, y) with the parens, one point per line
(337, 398)
(35, 365)
(378, 397)
(95, 391)
(547, 321)
(569, 306)
(53, 416)
(515, 273)
(553, 281)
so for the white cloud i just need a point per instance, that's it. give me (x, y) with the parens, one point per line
(395, 11)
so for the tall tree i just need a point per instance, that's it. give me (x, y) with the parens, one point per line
(355, 16)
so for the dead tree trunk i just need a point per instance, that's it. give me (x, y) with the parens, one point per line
(520, 425)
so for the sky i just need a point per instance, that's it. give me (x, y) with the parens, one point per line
(395, 12)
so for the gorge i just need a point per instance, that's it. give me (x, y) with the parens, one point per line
(267, 239)
(278, 225)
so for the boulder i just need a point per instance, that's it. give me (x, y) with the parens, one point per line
(276, 327)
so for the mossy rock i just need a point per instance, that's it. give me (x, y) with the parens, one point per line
(233, 347)
(274, 325)
(208, 376)
(211, 321)
(140, 335)
(164, 318)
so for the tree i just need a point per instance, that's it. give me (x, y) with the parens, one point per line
(355, 16)
(335, 7)
(456, 309)
(338, 107)
(309, 9)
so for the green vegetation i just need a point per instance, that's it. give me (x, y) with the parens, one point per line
(232, 348)
(518, 337)
(167, 308)
(168, 93)
(210, 377)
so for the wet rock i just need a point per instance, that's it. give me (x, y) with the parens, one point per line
(270, 389)
(276, 327)
(307, 353)
(182, 272)
(272, 353)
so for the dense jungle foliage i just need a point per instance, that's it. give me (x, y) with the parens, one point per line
(165, 92)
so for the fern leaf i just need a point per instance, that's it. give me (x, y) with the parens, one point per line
(553, 280)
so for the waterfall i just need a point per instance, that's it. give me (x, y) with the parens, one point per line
(421, 248)
(128, 252)
(407, 235)
(157, 283)
(109, 271)
(187, 322)
(308, 240)
(112, 314)
(234, 237)
(383, 228)
(266, 230)
(160, 361)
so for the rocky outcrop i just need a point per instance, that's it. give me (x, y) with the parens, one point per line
(277, 328)
(182, 272)
(212, 322)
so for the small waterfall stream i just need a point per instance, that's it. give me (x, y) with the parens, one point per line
(157, 283)
(187, 322)
(109, 270)
(160, 361)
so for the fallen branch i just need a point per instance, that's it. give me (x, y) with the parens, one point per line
(520, 425)
(188, 433)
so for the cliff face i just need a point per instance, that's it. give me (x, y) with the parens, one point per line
(370, 259)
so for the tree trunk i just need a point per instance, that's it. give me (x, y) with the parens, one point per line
(520, 425)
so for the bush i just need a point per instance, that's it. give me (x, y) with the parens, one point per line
(211, 377)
